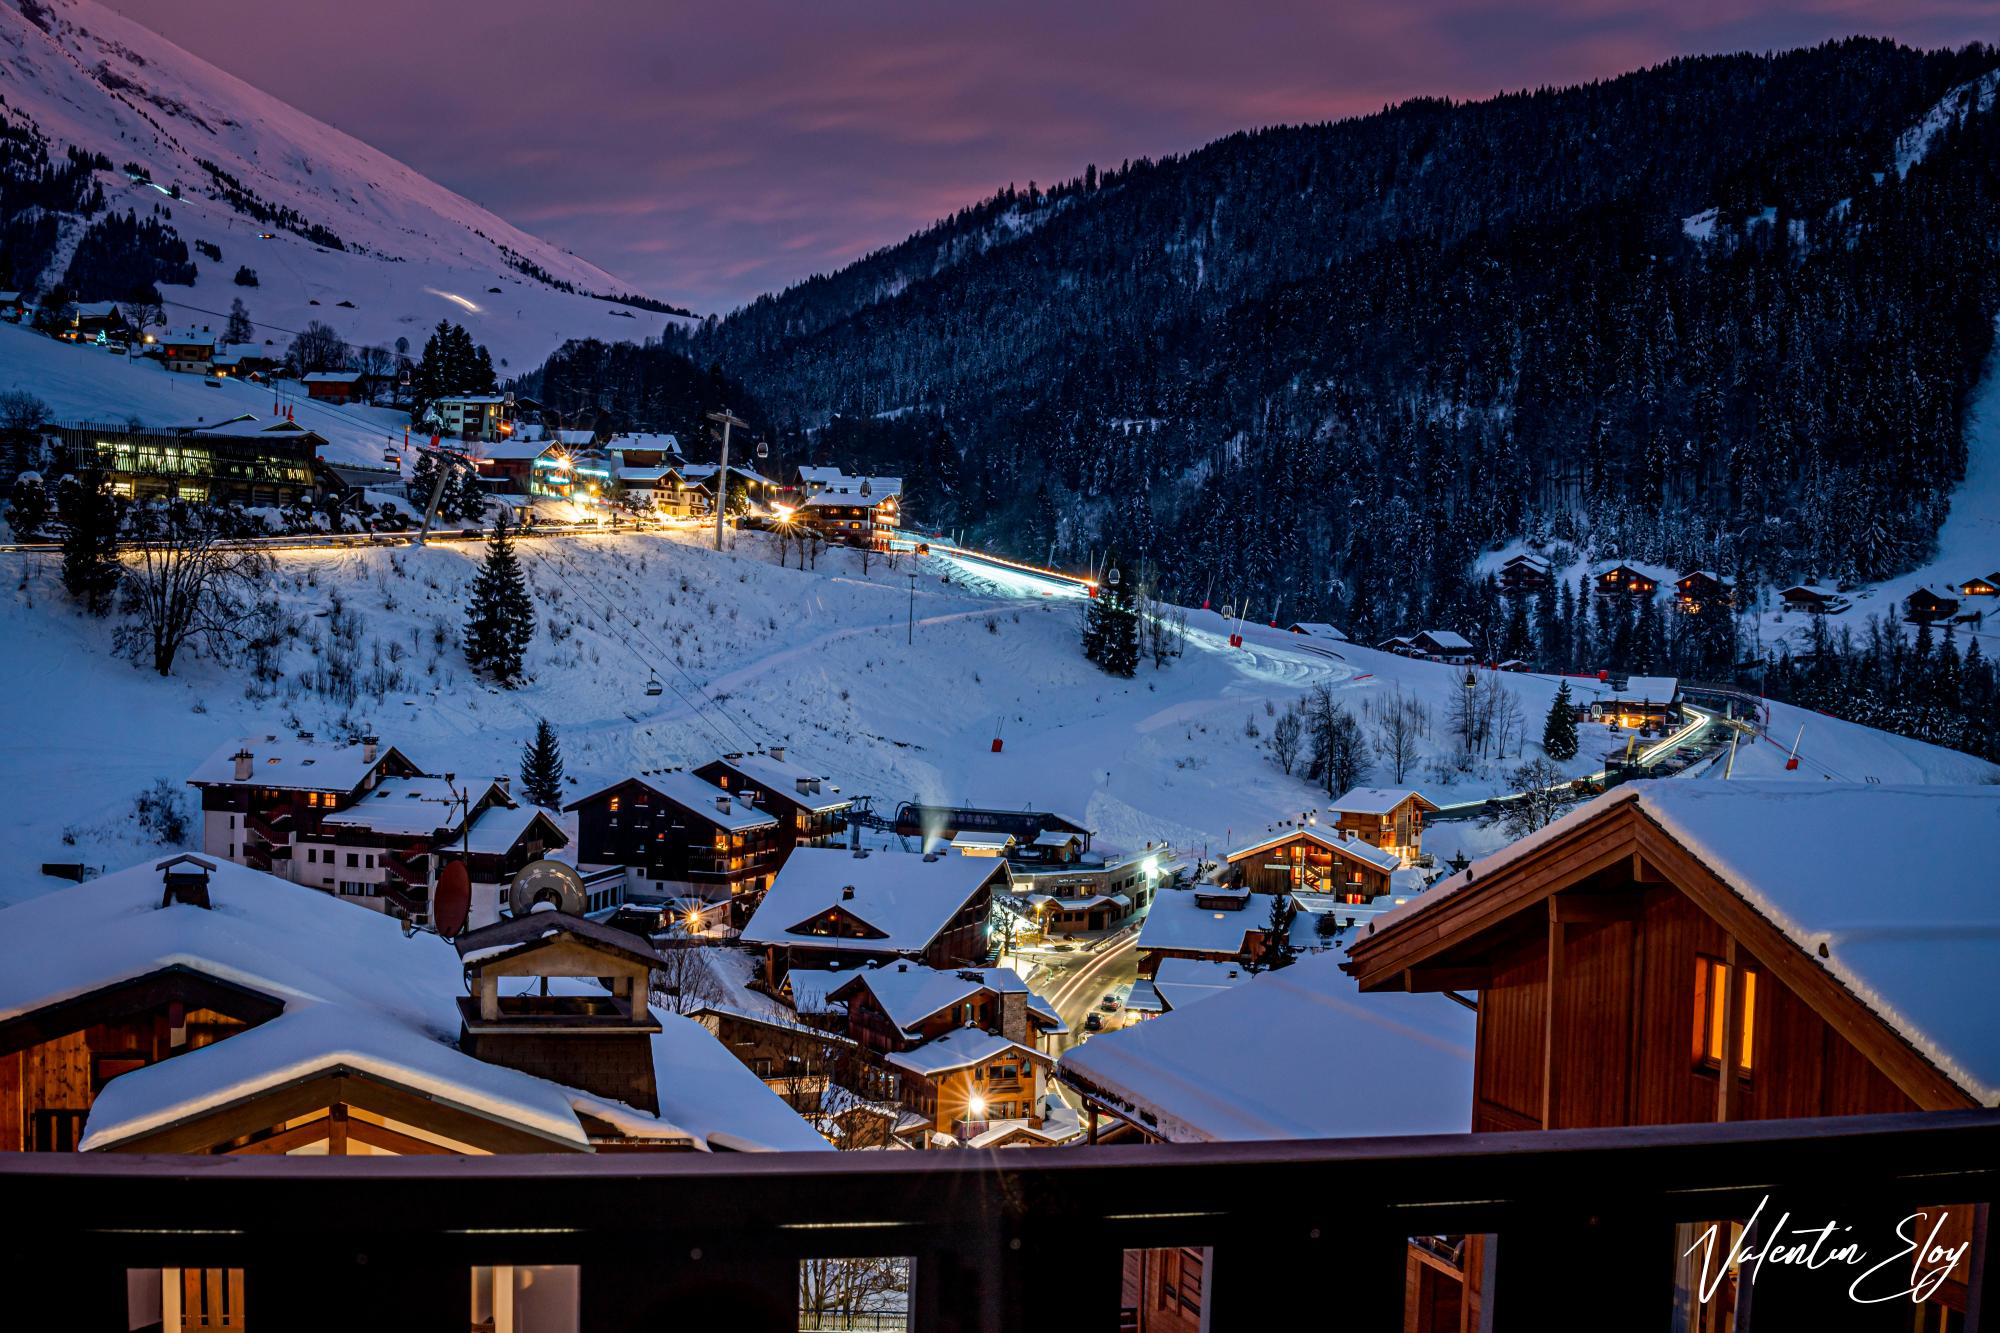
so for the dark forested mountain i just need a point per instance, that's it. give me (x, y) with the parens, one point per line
(1724, 311)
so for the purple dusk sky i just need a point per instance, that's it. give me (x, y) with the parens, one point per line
(709, 153)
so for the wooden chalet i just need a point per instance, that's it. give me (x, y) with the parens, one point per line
(1037, 835)
(1526, 573)
(1403, 645)
(834, 907)
(1390, 818)
(968, 1046)
(678, 836)
(96, 321)
(261, 797)
(188, 351)
(867, 518)
(1304, 859)
(1681, 952)
(334, 386)
(1986, 585)
(1703, 587)
(1214, 922)
(1625, 581)
(1931, 604)
(508, 467)
(1441, 645)
(810, 813)
(1813, 599)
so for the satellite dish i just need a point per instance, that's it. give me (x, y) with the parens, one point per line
(453, 899)
(549, 882)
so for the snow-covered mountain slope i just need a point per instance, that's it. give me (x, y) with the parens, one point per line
(90, 78)
(749, 654)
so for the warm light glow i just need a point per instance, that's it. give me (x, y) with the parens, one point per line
(977, 1106)
(455, 299)
(1749, 1014)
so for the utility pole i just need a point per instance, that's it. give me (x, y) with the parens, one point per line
(727, 419)
(910, 633)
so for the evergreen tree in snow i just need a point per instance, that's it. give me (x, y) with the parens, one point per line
(1559, 731)
(90, 568)
(500, 621)
(542, 766)
(239, 329)
(1111, 628)
(1277, 951)
(28, 511)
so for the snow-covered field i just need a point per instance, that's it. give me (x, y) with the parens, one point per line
(749, 654)
(416, 253)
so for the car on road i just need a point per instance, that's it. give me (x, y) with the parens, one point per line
(1093, 1024)
(1110, 1004)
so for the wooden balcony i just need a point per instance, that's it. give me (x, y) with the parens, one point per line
(1581, 1226)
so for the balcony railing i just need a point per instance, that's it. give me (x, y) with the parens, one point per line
(1581, 1221)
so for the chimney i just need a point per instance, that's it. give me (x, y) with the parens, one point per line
(902, 967)
(1014, 1016)
(722, 804)
(368, 746)
(506, 785)
(777, 752)
(184, 880)
(815, 783)
(804, 785)
(243, 761)
(846, 892)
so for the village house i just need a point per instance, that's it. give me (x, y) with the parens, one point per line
(1813, 599)
(1390, 818)
(758, 490)
(1931, 604)
(1214, 922)
(96, 321)
(1180, 982)
(249, 461)
(508, 467)
(1066, 891)
(810, 812)
(1526, 573)
(1306, 859)
(1630, 702)
(1702, 587)
(1625, 581)
(1986, 585)
(475, 416)
(677, 836)
(969, 1046)
(1403, 645)
(334, 386)
(1681, 952)
(1032, 835)
(1439, 645)
(851, 511)
(241, 360)
(12, 309)
(189, 351)
(360, 823)
(202, 1007)
(1317, 629)
(833, 907)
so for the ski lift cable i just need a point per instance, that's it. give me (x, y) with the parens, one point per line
(660, 653)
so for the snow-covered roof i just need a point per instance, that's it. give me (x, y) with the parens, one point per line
(499, 827)
(333, 377)
(1526, 558)
(249, 427)
(781, 777)
(1293, 1054)
(1056, 837)
(1352, 848)
(982, 842)
(1181, 982)
(696, 472)
(692, 794)
(1178, 921)
(1811, 590)
(811, 987)
(909, 993)
(413, 807)
(644, 476)
(96, 309)
(1637, 689)
(908, 897)
(1708, 574)
(188, 338)
(1377, 800)
(510, 451)
(1318, 629)
(357, 993)
(1448, 640)
(666, 441)
(958, 1049)
(1819, 861)
(291, 763)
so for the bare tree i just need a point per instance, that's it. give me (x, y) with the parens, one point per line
(872, 1292)
(683, 982)
(186, 583)
(1540, 797)
(1286, 733)
(319, 347)
(1396, 733)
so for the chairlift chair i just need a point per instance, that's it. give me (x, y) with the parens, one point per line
(653, 685)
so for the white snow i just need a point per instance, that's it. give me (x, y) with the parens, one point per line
(908, 897)
(1178, 921)
(1915, 143)
(958, 1049)
(1294, 1054)
(909, 993)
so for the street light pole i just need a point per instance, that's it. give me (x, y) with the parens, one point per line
(910, 633)
(728, 420)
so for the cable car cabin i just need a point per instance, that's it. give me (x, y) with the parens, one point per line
(653, 686)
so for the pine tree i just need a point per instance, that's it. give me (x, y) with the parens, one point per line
(542, 766)
(500, 621)
(1111, 629)
(90, 540)
(28, 511)
(1278, 951)
(1559, 732)
(239, 328)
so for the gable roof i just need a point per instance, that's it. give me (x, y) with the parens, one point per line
(411, 807)
(1445, 640)
(1292, 1054)
(292, 763)
(1811, 860)
(908, 897)
(1378, 800)
(781, 778)
(511, 936)
(695, 796)
(909, 993)
(1178, 921)
(958, 1049)
(1354, 849)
